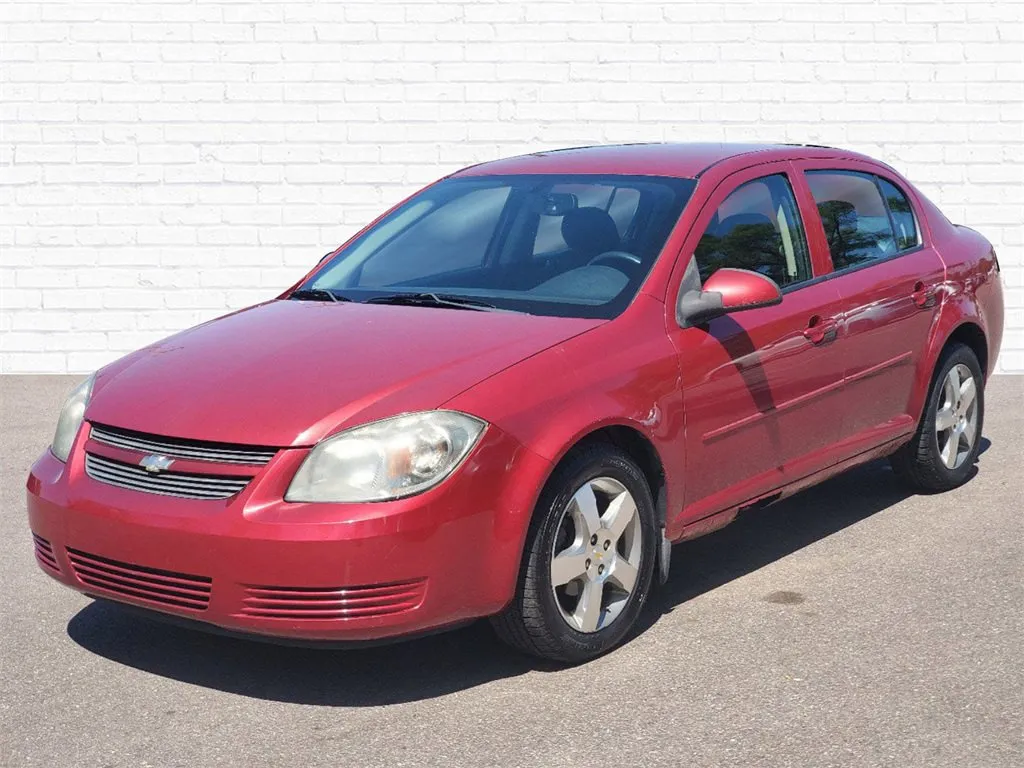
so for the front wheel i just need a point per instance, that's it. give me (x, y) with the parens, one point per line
(948, 439)
(588, 561)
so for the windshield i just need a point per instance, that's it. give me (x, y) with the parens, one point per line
(566, 245)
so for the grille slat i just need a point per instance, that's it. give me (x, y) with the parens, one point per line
(44, 553)
(129, 472)
(223, 453)
(347, 602)
(165, 488)
(332, 603)
(154, 585)
(165, 483)
(285, 597)
(155, 596)
(311, 613)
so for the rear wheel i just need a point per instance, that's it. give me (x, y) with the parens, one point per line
(589, 559)
(948, 439)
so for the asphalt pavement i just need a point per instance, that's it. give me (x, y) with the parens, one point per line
(852, 625)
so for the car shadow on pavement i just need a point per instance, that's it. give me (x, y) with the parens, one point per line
(464, 658)
(762, 536)
(386, 674)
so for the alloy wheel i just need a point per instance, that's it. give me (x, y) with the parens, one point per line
(595, 559)
(956, 418)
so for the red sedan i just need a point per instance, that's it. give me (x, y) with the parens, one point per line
(513, 392)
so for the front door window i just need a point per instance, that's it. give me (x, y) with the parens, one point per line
(758, 228)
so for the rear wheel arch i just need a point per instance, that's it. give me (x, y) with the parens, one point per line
(970, 334)
(957, 323)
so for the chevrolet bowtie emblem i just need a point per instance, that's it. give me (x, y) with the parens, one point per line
(156, 464)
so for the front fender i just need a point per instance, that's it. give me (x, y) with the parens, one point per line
(623, 373)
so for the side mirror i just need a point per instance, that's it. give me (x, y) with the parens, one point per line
(727, 290)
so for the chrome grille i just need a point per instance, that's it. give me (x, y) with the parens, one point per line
(224, 453)
(187, 485)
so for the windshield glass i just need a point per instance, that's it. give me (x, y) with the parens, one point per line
(566, 245)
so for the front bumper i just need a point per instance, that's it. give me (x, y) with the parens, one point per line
(258, 565)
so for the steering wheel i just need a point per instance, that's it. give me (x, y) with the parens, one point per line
(633, 259)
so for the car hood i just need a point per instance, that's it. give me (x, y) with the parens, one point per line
(287, 373)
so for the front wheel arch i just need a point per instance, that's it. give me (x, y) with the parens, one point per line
(639, 448)
(532, 622)
(642, 450)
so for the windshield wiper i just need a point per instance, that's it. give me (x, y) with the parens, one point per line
(436, 300)
(317, 294)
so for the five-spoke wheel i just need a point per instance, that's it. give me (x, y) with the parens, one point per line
(589, 558)
(595, 555)
(942, 453)
(956, 421)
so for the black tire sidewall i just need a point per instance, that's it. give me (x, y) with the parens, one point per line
(601, 461)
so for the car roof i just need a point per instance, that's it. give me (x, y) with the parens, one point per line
(679, 160)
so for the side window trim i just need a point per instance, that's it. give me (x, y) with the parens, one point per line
(846, 271)
(866, 265)
(802, 169)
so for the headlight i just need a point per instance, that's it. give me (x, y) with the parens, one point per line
(387, 459)
(71, 417)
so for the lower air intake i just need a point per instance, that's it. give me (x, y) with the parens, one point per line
(333, 602)
(141, 583)
(44, 554)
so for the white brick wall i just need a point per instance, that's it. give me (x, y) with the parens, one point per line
(164, 162)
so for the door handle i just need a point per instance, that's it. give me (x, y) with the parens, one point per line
(924, 295)
(821, 330)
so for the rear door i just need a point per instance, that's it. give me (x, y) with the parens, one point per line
(889, 280)
(762, 387)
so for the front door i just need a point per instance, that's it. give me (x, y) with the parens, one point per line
(761, 387)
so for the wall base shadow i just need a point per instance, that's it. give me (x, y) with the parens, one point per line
(464, 658)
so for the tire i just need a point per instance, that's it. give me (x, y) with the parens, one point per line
(557, 622)
(925, 462)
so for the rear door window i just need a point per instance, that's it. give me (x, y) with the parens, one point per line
(854, 215)
(903, 220)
